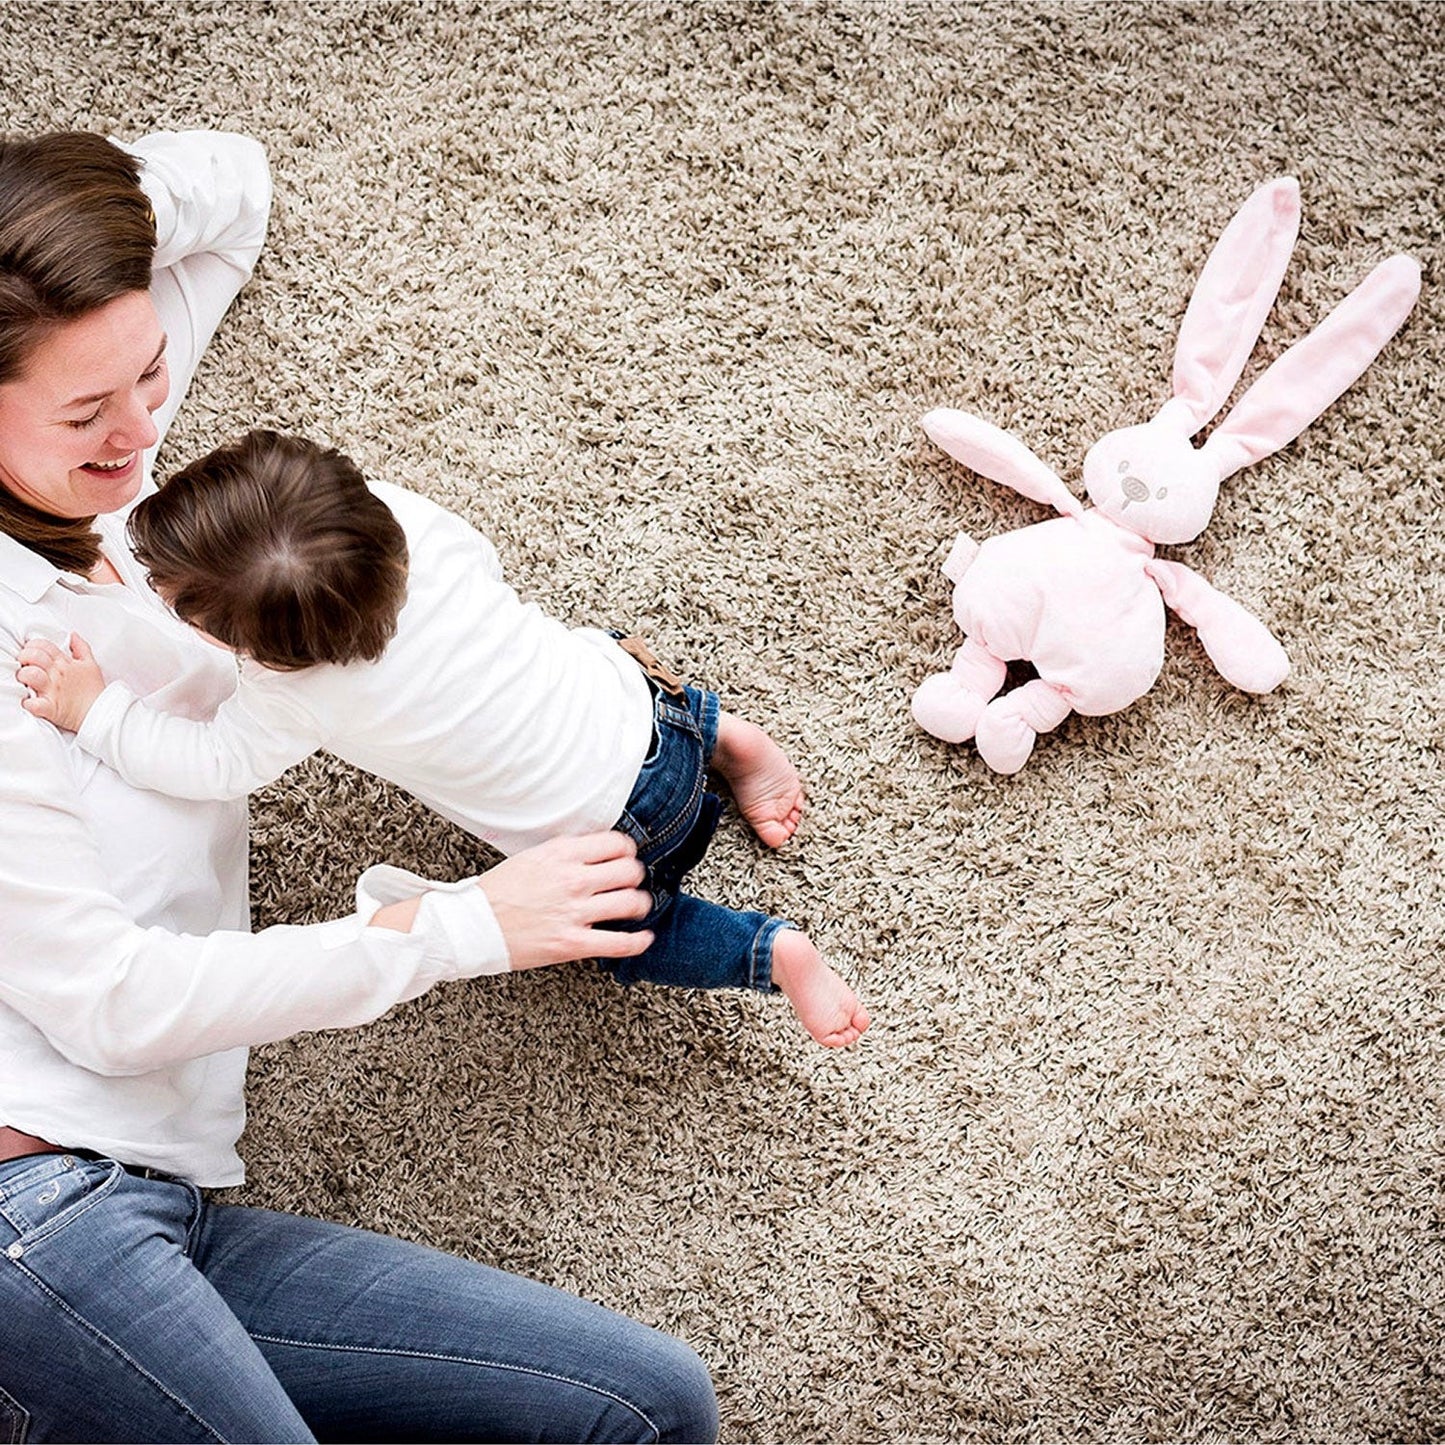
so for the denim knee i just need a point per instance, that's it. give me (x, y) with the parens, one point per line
(684, 1408)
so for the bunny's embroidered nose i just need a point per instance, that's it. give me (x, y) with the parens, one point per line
(1135, 490)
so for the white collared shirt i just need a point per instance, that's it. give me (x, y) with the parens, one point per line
(500, 717)
(130, 984)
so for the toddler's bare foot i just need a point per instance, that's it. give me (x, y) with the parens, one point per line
(765, 784)
(827, 1007)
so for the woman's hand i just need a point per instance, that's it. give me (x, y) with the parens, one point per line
(548, 900)
(63, 686)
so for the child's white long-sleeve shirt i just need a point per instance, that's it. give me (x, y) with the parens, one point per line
(501, 718)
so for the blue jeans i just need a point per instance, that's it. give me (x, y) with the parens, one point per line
(131, 1308)
(671, 817)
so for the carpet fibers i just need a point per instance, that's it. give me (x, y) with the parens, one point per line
(1146, 1140)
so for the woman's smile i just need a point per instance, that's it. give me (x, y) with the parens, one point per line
(114, 466)
(75, 424)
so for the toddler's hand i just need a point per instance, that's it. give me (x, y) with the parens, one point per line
(63, 686)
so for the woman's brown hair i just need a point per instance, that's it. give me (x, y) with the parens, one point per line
(76, 232)
(276, 547)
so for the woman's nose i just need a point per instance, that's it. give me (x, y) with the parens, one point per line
(136, 430)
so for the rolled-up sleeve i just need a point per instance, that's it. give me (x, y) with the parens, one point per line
(211, 194)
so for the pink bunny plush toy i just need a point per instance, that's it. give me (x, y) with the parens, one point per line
(1082, 597)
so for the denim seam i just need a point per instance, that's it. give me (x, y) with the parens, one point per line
(766, 934)
(681, 717)
(685, 818)
(680, 826)
(41, 1232)
(461, 1360)
(20, 1415)
(711, 711)
(66, 1309)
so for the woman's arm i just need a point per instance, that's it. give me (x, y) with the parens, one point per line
(117, 997)
(211, 194)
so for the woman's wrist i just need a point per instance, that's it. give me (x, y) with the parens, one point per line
(399, 916)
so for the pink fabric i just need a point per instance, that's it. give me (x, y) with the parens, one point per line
(1233, 296)
(1082, 597)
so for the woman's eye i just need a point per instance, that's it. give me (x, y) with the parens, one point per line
(151, 375)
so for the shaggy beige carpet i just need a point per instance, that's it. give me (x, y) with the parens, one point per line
(1146, 1140)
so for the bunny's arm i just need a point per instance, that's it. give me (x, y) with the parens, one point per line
(1001, 456)
(1238, 643)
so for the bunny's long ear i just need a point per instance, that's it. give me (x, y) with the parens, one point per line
(1231, 300)
(1315, 370)
(1000, 456)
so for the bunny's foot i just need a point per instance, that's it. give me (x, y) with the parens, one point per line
(1005, 741)
(764, 784)
(1010, 725)
(944, 707)
(948, 705)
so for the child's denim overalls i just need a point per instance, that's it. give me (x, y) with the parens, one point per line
(671, 817)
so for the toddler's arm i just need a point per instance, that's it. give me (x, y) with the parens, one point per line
(253, 738)
(62, 685)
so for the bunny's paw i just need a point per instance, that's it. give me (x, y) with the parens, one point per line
(1005, 741)
(1010, 725)
(945, 708)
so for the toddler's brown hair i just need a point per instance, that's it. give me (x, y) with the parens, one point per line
(275, 546)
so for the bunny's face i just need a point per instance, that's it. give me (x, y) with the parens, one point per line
(1152, 482)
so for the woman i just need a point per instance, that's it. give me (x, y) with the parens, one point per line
(132, 1308)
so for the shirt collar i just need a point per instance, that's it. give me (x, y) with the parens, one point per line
(30, 576)
(24, 572)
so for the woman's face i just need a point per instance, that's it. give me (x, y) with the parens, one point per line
(74, 423)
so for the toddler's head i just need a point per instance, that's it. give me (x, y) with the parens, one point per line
(276, 547)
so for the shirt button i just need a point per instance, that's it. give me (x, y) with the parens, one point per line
(15, 1251)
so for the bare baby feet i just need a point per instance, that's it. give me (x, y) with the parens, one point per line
(826, 1006)
(765, 785)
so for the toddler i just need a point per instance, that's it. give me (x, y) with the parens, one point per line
(370, 622)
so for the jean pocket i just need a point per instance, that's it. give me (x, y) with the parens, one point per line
(14, 1420)
(38, 1201)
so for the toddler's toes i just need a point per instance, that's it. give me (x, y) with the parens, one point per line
(848, 1032)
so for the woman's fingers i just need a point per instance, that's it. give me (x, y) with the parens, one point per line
(599, 848)
(548, 900)
(614, 877)
(610, 943)
(618, 905)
